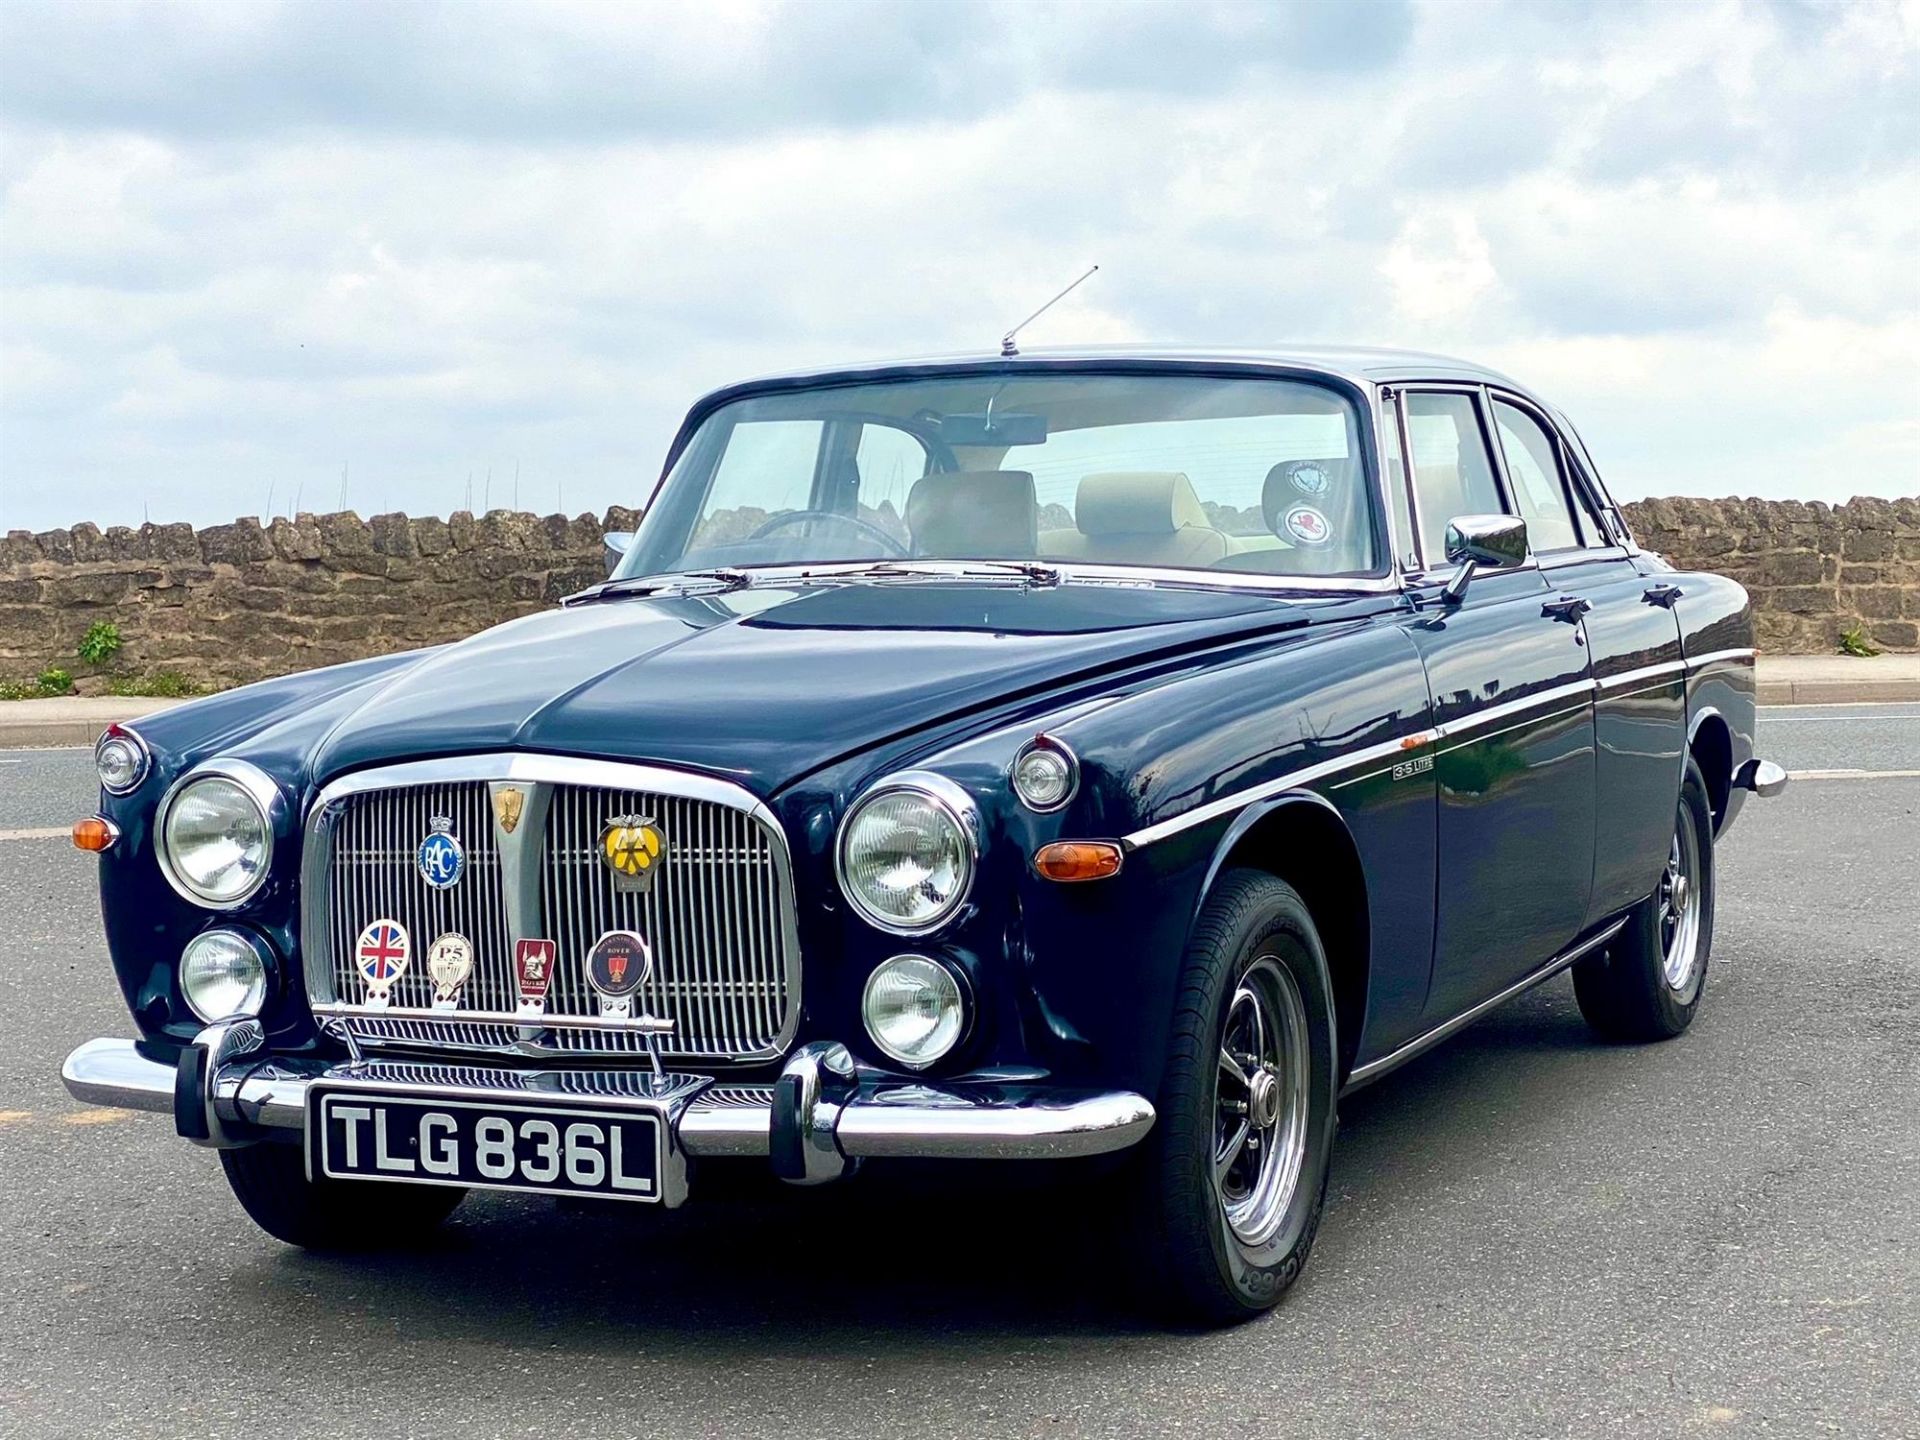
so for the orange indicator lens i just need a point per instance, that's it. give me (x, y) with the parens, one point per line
(1070, 860)
(94, 833)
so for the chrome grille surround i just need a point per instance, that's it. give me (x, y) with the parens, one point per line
(720, 914)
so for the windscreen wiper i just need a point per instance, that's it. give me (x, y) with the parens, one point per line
(717, 581)
(1031, 572)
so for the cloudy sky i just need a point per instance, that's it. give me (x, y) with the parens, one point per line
(246, 244)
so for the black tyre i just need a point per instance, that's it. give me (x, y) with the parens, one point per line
(270, 1182)
(1230, 1182)
(1647, 982)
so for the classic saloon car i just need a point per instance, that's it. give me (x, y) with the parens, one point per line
(1097, 753)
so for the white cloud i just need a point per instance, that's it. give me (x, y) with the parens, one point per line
(241, 246)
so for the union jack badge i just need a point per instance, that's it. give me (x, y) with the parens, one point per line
(450, 963)
(533, 973)
(382, 954)
(617, 966)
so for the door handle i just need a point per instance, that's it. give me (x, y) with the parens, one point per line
(1663, 595)
(1566, 607)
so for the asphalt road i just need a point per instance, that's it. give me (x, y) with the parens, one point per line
(1529, 1233)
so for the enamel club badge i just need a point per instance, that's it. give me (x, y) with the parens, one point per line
(533, 973)
(382, 954)
(449, 966)
(617, 966)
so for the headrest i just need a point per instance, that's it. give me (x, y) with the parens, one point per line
(974, 515)
(1137, 502)
(1300, 482)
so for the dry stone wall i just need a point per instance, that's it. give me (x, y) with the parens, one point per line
(239, 602)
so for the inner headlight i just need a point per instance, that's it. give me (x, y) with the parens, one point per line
(907, 853)
(914, 1009)
(216, 838)
(222, 974)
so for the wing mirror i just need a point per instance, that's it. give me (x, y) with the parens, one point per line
(1497, 542)
(614, 544)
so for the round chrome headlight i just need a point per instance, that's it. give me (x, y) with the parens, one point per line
(914, 1009)
(223, 975)
(906, 853)
(122, 761)
(216, 835)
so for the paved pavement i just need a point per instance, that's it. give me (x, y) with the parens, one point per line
(1529, 1233)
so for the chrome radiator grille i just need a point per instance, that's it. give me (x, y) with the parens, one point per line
(373, 877)
(712, 916)
(718, 915)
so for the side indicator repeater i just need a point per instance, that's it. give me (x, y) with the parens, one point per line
(1074, 860)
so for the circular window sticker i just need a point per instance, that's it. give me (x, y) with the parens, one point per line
(1309, 479)
(1308, 525)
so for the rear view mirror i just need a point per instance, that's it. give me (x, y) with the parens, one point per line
(1009, 427)
(1497, 542)
(614, 544)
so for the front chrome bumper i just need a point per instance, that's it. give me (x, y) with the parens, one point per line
(812, 1123)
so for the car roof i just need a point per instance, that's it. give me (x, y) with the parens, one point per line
(1364, 364)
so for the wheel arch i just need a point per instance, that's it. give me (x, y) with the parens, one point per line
(1710, 743)
(1302, 839)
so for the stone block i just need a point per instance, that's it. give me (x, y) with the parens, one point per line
(172, 542)
(55, 545)
(1895, 634)
(430, 536)
(392, 535)
(1869, 545)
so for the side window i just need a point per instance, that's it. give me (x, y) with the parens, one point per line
(766, 469)
(1452, 472)
(889, 461)
(1533, 467)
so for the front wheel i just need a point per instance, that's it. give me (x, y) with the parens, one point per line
(1230, 1183)
(270, 1182)
(1647, 982)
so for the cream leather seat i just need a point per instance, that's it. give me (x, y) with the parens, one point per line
(1138, 517)
(974, 515)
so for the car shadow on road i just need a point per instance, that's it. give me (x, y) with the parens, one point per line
(906, 1256)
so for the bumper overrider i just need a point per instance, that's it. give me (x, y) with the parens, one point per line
(817, 1119)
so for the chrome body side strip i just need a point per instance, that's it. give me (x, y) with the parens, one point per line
(1366, 1074)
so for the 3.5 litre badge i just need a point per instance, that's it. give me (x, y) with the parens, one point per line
(617, 966)
(440, 858)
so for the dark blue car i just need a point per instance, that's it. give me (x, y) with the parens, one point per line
(1108, 753)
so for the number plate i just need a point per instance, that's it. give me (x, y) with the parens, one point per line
(357, 1134)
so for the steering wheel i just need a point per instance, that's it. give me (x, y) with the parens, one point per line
(794, 517)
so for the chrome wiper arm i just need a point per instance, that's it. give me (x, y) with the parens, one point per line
(1032, 572)
(720, 580)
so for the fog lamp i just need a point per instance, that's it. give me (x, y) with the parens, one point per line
(914, 1010)
(121, 760)
(223, 974)
(1044, 774)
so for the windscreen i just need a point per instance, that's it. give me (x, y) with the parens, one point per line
(1255, 476)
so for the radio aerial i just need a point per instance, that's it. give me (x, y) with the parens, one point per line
(1007, 347)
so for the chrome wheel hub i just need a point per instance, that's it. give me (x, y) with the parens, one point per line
(1261, 1099)
(1677, 903)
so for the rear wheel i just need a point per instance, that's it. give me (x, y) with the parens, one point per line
(1647, 983)
(1231, 1181)
(270, 1182)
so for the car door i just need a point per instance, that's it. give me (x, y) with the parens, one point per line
(1640, 699)
(1513, 750)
